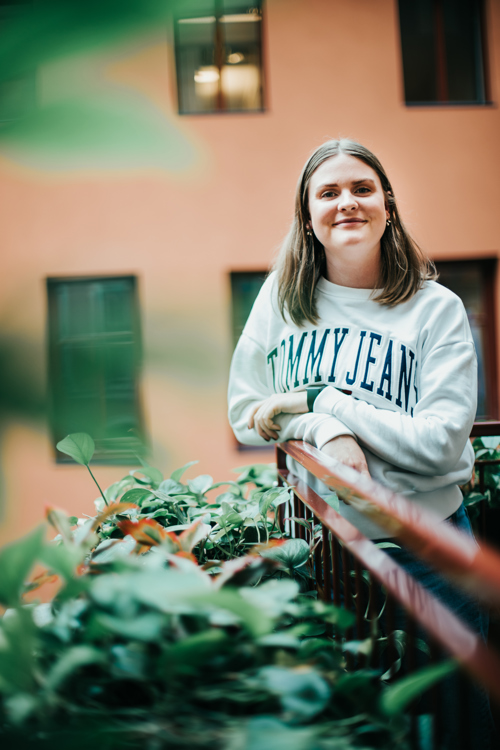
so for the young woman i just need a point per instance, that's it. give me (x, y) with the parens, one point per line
(354, 347)
(353, 306)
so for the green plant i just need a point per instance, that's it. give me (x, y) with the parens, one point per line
(485, 449)
(149, 644)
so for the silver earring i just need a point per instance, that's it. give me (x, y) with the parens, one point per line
(388, 223)
(308, 232)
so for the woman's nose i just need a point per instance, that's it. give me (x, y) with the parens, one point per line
(347, 201)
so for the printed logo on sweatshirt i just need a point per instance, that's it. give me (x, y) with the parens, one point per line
(348, 359)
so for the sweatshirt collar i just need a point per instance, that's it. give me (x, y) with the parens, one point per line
(345, 292)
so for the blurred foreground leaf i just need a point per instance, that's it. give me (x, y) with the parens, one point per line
(16, 562)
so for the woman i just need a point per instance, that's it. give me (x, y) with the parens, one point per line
(353, 346)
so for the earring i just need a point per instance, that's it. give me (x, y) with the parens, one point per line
(308, 232)
(388, 223)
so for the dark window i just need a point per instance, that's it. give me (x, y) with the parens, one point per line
(443, 47)
(218, 49)
(94, 363)
(473, 282)
(245, 286)
(18, 83)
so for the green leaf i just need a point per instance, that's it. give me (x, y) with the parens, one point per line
(199, 485)
(16, 562)
(398, 696)
(491, 442)
(303, 693)
(17, 650)
(293, 554)
(154, 475)
(63, 559)
(177, 474)
(79, 446)
(136, 495)
(71, 661)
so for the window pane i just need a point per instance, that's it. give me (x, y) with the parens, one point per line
(241, 74)
(463, 50)
(197, 74)
(418, 47)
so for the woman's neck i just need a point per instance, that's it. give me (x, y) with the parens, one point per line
(349, 271)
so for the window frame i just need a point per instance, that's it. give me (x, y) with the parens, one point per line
(441, 66)
(219, 56)
(488, 271)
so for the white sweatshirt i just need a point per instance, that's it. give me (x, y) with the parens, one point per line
(411, 375)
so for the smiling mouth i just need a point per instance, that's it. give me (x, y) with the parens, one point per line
(349, 221)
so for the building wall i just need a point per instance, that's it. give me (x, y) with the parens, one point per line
(332, 69)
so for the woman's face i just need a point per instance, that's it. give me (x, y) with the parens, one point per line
(347, 209)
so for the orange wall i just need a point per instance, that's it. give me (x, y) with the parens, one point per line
(332, 69)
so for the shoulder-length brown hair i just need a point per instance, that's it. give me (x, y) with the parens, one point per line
(301, 262)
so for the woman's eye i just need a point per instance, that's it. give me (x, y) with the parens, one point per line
(363, 190)
(327, 194)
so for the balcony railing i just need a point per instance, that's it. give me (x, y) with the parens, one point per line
(350, 569)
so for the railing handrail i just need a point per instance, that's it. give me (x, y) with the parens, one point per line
(443, 625)
(456, 555)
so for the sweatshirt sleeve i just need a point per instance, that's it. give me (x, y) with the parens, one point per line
(248, 385)
(431, 441)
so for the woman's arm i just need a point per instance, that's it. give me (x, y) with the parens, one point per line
(431, 441)
(248, 388)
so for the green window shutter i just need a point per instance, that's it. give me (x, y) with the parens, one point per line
(94, 364)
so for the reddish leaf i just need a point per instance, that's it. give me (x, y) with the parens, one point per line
(258, 549)
(190, 537)
(147, 531)
(112, 510)
(39, 580)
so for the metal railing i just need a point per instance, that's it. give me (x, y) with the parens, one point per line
(351, 570)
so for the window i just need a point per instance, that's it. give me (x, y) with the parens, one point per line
(443, 47)
(473, 282)
(17, 91)
(94, 362)
(218, 53)
(245, 286)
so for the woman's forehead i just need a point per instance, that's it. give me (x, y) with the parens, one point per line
(342, 168)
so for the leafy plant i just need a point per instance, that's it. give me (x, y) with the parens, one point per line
(485, 449)
(150, 643)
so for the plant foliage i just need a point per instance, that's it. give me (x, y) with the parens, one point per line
(182, 620)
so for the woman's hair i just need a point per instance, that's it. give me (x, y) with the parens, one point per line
(301, 262)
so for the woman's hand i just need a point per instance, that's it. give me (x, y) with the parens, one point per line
(346, 450)
(263, 414)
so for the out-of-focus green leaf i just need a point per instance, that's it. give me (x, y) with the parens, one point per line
(17, 647)
(136, 495)
(63, 559)
(16, 562)
(199, 485)
(70, 662)
(304, 693)
(112, 132)
(267, 733)
(193, 651)
(177, 474)
(396, 697)
(151, 474)
(79, 446)
(145, 627)
(293, 554)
